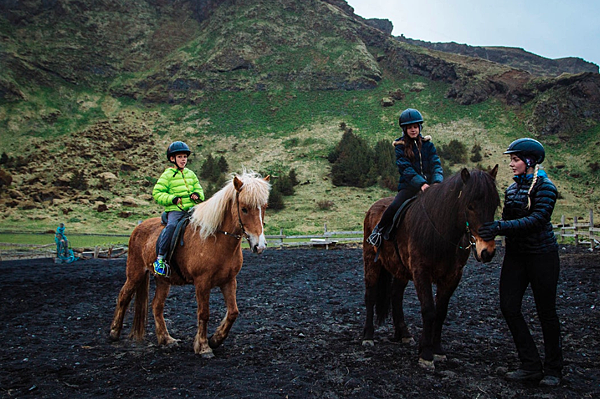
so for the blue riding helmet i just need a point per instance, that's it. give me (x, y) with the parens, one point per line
(410, 116)
(527, 147)
(177, 147)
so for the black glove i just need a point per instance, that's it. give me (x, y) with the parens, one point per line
(195, 197)
(488, 231)
(176, 200)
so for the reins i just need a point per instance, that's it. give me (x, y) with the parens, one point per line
(467, 229)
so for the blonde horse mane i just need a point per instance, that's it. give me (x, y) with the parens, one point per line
(209, 215)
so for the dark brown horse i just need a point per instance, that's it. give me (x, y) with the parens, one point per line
(431, 246)
(211, 257)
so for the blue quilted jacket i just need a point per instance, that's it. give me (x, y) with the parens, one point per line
(529, 230)
(426, 167)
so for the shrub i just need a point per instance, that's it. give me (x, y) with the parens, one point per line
(476, 153)
(275, 199)
(353, 162)
(454, 152)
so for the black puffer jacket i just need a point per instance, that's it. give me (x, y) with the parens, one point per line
(529, 230)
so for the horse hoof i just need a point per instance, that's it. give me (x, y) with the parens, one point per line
(409, 341)
(208, 355)
(368, 342)
(439, 358)
(426, 364)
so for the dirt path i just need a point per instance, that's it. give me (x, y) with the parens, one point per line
(298, 335)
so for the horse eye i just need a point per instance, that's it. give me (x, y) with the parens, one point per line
(470, 207)
(245, 211)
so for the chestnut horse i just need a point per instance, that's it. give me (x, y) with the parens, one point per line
(211, 257)
(431, 246)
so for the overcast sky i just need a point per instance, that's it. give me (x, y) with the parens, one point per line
(549, 28)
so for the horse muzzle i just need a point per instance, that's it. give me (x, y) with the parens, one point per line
(485, 250)
(257, 246)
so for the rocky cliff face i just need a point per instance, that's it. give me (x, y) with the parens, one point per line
(174, 51)
(513, 57)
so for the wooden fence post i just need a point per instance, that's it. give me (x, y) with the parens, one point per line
(591, 230)
(563, 231)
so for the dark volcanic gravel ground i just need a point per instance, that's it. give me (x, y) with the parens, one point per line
(297, 336)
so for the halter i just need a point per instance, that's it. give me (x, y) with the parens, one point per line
(467, 230)
(236, 236)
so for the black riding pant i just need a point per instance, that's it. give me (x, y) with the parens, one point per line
(388, 216)
(173, 217)
(519, 270)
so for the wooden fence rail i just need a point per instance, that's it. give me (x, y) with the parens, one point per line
(581, 231)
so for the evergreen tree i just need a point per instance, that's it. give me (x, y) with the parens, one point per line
(354, 163)
(276, 199)
(385, 164)
(223, 165)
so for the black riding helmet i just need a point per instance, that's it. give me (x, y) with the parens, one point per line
(410, 116)
(527, 147)
(177, 147)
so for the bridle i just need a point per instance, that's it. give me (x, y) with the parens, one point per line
(237, 236)
(466, 233)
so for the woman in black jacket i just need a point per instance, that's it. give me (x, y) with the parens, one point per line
(531, 259)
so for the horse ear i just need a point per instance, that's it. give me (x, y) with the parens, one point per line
(494, 171)
(237, 183)
(268, 178)
(465, 175)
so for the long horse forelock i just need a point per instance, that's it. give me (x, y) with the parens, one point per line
(255, 190)
(208, 216)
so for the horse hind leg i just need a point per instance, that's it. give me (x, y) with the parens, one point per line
(158, 307)
(401, 332)
(375, 292)
(221, 333)
(135, 284)
(369, 329)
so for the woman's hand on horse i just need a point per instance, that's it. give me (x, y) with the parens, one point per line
(195, 197)
(489, 230)
(176, 201)
(424, 187)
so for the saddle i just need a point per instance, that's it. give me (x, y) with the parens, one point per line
(177, 236)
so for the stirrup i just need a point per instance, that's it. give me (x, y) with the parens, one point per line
(375, 239)
(162, 268)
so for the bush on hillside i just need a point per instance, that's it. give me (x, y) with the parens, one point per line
(352, 162)
(454, 152)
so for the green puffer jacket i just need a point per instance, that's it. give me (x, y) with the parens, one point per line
(176, 183)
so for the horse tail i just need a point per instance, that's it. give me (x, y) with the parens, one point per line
(140, 315)
(384, 295)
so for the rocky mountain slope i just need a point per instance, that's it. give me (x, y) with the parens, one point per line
(91, 92)
(513, 57)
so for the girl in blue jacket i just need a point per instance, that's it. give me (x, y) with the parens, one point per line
(178, 190)
(419, 167)
(531, 258)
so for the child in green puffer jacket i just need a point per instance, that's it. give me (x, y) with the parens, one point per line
(178, 189)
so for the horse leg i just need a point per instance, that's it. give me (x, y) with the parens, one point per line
(136, 283)
(158, 307)
(369, 329)
(372, 272)
(123, 301)
(442, 298)
(401, 333)
(201, 346)
(425, 294)
(229, 295)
